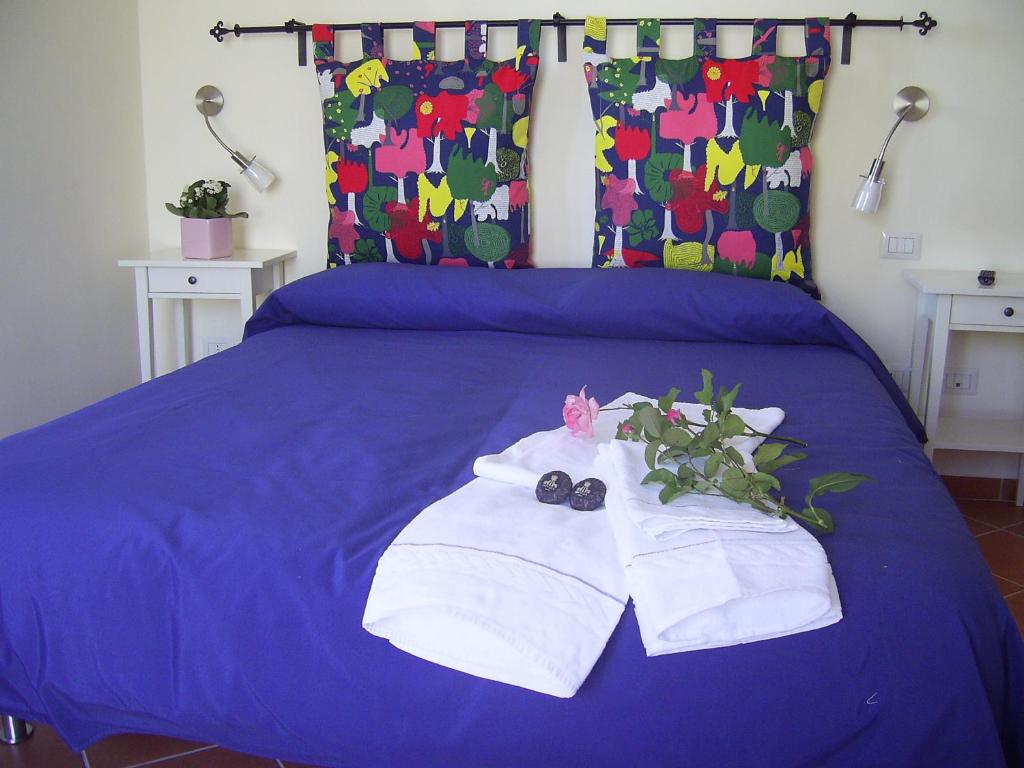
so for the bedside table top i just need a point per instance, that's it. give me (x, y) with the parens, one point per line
(964, 282)
(247, 258)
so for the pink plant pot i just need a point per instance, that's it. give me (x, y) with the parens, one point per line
(206, 238)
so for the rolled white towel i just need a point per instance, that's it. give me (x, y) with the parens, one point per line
(491, 582)
(706, 588)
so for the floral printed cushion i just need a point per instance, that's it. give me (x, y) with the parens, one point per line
(704, 163)
(426, 159)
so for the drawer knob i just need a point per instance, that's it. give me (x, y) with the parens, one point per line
(1008, 311)
(192, 280)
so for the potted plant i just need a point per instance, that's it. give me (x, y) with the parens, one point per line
(205, 222)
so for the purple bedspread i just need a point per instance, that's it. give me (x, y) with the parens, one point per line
(192, 557)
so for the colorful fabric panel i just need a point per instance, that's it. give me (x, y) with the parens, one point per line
(427, 159)
(704, 163)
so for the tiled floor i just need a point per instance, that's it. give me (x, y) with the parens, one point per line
(998, 527)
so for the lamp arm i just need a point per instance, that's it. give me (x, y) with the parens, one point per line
(238, 157)
(885, 144)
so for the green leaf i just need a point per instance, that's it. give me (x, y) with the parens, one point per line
(651, 455)
(661, 475)
(711, 434)
(670, 492)
(174, 209)
(705, 394)
(735, 455)
(728, 397)
(713, 464)
(686, 472)
(768, 452)
(666, 402)
(652, 421)
(782, 461)
(817, 517)
(676, 437)
(734, 481)
(837, 482)
(733, 426)
(765, 480)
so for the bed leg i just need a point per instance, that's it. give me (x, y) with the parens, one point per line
(14, 730)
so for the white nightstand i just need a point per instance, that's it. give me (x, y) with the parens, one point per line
(950, 301)
(166, 275)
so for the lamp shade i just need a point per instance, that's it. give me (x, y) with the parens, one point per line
(869, 195)
(258, 175)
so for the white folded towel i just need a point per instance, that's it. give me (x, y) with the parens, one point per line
(627, 468)
(491, 582)
(712, 587)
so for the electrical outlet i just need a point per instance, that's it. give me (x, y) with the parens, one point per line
(961, 381)
(902, 378)
(212, 346)
(900, 245)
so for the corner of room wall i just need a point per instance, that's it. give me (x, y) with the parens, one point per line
(71, 204)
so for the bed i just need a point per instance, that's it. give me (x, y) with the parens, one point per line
(192, 557)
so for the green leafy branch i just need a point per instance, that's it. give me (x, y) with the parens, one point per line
(701, 460)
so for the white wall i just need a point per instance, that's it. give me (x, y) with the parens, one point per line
(948, 175)
(71, 204)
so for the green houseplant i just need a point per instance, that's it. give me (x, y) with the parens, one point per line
(205, 222)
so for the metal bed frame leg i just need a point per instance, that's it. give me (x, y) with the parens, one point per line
(14, 730)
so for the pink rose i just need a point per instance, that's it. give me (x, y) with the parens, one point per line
(673, 416)
(579, 414)
(627, 429)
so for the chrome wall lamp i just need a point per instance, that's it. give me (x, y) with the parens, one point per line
(911, 104)
(209, 102)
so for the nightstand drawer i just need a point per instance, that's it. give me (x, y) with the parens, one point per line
(200, 280)
(987, 310)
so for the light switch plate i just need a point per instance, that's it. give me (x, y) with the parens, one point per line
(900, 245)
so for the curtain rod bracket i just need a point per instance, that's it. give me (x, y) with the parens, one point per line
(559, 22)
(848, 27)
(299, 28)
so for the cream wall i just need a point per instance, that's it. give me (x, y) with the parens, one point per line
(947, 174)
(71, 203)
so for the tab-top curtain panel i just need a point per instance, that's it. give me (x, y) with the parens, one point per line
(427, 160)
(704, 163)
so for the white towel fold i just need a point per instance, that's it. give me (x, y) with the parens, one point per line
(691, 511)
(491, 582)
(712, 587)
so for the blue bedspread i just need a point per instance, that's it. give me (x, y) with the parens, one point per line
(192, 557)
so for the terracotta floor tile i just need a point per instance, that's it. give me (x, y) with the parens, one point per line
(133, 748)
(1007, 587)
(44, 749)
(1017, 529)
(218, 757)
(1004, 553)
(1016, 604)
(1000, 514)
(978, 527)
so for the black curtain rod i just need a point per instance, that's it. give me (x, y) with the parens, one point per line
(924, 24)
